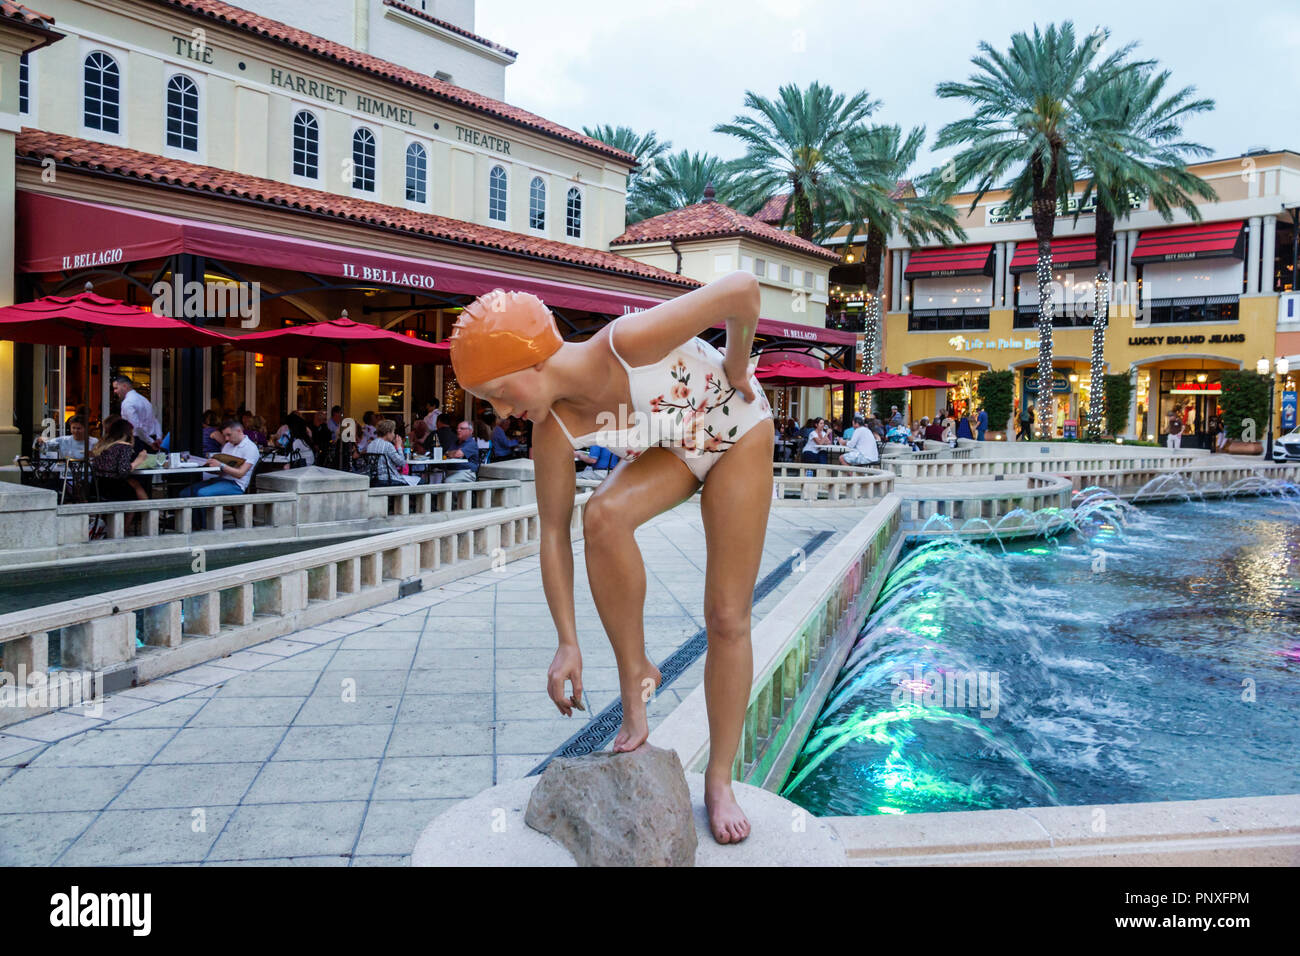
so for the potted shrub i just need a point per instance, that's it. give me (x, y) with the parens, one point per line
(1245, 411)
(1118, 390)
(995, 390)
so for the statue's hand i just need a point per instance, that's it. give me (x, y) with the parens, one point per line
(567, 666)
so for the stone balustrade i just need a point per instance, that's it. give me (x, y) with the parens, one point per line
(828, 484)
(1203, 479)
(184, 621)
(799, 648)
(300, 503)
(920, 503)
(956, 469)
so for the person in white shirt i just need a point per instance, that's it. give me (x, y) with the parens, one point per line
(71, 445)
(431, 415)
(863, 449)
(137, 410)
(230, 479)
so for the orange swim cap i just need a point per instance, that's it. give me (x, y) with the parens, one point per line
(499, 333)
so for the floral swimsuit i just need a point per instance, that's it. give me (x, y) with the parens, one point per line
(683, 402)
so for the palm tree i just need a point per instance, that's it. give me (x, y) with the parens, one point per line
(679, 180)
(1028, 118)
(884, 204)
(1136, 152)
(648, 150)
(799, 144)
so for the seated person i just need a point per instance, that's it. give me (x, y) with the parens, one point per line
(600, 462)
(114, 459)
(367, 432)
(421, 442)
(503, 446)
(385, 445)
(466, 448)
(933, 430)
(231, 479)
(213, 433)
(862, 445)
(294, 436)
(71, 445)
(446, 433)
(254, 428)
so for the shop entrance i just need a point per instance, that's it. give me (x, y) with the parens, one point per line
(1192, 395)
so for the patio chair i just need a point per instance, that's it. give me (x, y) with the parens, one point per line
(381, 471)
(39, 473)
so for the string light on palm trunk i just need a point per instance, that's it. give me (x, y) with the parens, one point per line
(1096, 390)
(1045, 413)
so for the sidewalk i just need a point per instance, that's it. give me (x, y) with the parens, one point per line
(338, 744)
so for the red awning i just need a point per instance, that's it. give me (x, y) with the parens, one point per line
(1203, 241)
(951, 261)
(57, 235)
(60, 235)
(1068, 252)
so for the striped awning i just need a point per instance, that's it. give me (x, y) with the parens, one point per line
(951, 261)
(1203, 241)
(1068, 252)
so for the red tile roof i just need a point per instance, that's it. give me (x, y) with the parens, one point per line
(711, 219)
(285, 35)
(773, 209)
(16, 11)
(407, 8)
(98, 158)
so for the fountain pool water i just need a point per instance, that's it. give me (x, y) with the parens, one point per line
(1144, 654)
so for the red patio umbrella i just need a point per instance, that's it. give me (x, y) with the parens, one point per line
(884, 380)
(794, 373)
(342, 340)
(87, 320)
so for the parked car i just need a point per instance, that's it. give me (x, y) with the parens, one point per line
(1287, 448)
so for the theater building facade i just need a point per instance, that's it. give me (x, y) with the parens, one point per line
(1189, 300)
(247, 174)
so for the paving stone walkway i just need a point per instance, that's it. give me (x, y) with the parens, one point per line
(336, 745)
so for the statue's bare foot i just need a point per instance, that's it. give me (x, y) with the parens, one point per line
(636, 728)
(727, 821)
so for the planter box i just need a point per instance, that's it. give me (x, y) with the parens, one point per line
(1244, 448)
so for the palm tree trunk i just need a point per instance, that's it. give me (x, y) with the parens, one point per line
(1100, 319)
(803, 215)
(873, 265)
(1044, 211)
(1097, 391)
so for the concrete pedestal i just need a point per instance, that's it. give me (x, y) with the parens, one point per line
(324, 494)
(489, 830)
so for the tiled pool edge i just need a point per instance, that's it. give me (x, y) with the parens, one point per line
(1232, 831)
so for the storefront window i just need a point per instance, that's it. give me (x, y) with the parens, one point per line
(392, 391)
(310, 392)
(1144, 403)
(1191, 396)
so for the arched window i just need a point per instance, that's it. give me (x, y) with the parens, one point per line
(306, 145)
(182, 113)
(103, 89)
(363, 160)
(537, 203)
(573, 214)
(497, 194)
(417, 173)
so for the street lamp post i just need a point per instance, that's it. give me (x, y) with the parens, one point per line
(1280, 367)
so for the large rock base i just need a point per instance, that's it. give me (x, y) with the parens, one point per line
(489, 830)
(617, 809)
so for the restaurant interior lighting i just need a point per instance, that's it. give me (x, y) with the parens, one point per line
(1202, 377)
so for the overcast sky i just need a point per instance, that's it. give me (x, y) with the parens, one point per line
(680, 67)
